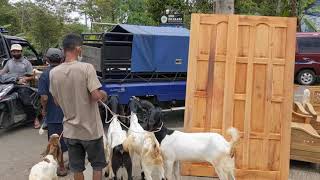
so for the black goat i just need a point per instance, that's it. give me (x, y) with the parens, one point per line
(121, 159)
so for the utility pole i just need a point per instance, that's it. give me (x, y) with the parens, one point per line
(86, 19)
(22, 17)
(223, 6)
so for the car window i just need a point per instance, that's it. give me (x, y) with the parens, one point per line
(309, 45)
(28, 53)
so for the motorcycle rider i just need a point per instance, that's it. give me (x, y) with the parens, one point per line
(20, 66)
(52, 113)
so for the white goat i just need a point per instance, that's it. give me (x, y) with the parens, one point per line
(115, 137)
(146, 148)
(197, 147)
(45, 170)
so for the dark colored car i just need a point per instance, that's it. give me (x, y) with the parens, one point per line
(307, 64)
(28, 51)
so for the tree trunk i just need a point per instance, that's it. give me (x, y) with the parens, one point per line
(279, 4)
(293, 8)
(294, 13)
(223, 6)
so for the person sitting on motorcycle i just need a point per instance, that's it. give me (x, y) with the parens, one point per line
(52, 113)
(21, 67)
(18, 65)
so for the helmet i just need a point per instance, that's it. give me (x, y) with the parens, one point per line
(54, 55)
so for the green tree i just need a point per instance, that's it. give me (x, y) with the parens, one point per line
(42, 22)
(9, 17)
(74, 28)
(157, 8)
(46, 29)
(101, 10)
(301, 7)
(136, 12)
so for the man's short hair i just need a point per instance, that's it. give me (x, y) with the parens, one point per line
(71, 41)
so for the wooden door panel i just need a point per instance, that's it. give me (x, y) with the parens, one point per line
(240, 74)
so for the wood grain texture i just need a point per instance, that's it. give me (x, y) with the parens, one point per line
(240, 74)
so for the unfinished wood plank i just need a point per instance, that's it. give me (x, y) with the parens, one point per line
(257, 20)
(268, 103)
(193, 54)
(230, 73)
(218, 91)
(215, 33)
(210, 20)
(248, 105)
(288, 97)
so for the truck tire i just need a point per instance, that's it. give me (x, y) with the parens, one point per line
(306, 77)
(143, 113)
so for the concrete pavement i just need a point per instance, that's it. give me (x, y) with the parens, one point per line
(20, 149)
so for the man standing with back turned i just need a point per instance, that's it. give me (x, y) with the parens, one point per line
(75, 88)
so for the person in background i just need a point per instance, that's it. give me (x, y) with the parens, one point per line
(75, 88)
(52, 113)
(23, 69)
(18, 65)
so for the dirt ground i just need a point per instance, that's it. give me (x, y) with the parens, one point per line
(20, 149)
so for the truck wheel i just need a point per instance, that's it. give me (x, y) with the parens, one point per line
(306, 77)
(143, 113)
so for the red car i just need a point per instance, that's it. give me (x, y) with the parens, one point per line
(307, 64)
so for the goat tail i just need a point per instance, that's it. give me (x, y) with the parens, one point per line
(234, 133)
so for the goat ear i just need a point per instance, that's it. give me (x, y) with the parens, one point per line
(46, 152)
(46, 160)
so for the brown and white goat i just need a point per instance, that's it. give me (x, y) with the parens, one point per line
(47, 168)
(118, 158)
(143, 145)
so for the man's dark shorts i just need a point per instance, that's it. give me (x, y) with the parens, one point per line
(57, 128)
(77, 150)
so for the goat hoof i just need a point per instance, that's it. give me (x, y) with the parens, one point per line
(106, 174)
(142, 176)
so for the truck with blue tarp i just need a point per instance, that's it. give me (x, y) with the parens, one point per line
(142, 61)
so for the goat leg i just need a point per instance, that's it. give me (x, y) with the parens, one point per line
(143, 177)
(147, 171)
(142, 173)
(169, 169)
(161, 172)
(177, 170)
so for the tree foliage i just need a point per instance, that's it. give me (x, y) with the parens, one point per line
(8, 17)
(44, 22)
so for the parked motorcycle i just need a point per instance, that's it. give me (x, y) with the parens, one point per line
(16, 102)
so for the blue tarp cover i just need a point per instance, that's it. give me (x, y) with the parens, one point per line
(157, 49)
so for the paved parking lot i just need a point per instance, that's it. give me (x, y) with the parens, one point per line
(20, 149)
